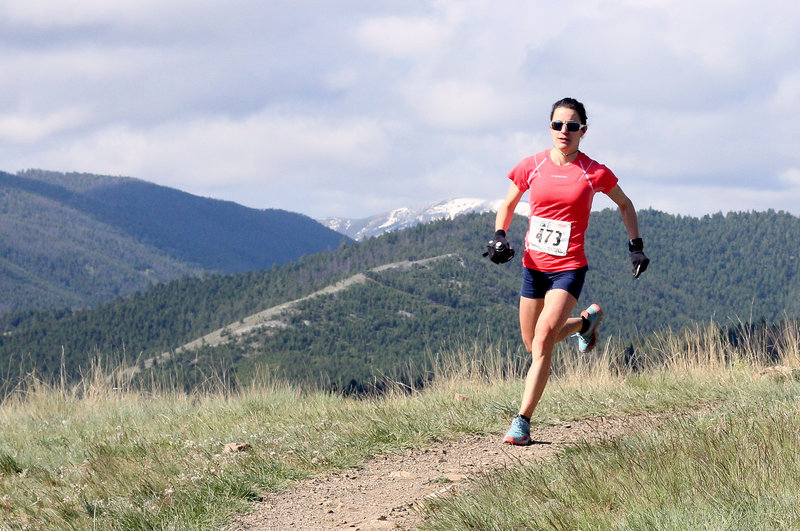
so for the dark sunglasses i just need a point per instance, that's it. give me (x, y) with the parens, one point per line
(557, 125)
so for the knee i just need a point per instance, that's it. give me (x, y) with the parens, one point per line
(543, 336)
(543, 341)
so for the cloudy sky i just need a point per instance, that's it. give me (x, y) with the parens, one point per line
(353, 107)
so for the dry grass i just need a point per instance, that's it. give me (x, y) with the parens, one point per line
(100, 454)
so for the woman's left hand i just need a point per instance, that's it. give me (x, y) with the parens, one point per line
(638, 258)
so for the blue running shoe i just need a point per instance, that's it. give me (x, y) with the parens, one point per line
(587, 340)
(519, 433)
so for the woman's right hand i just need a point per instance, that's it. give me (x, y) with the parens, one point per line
(498, 249)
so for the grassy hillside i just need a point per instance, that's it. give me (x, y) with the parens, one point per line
(77, 240)
(102, 454)
(701, 269)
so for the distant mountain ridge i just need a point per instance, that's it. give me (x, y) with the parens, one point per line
(406, 217)
(76, 239)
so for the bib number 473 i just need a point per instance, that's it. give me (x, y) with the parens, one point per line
(549, 236)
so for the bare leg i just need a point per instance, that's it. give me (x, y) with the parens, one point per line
(543, 322)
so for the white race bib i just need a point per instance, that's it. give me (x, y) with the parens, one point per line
(549, 236)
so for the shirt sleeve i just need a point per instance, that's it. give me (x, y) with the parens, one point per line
(604, 179)
(519, 174)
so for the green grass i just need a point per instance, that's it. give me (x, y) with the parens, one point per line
(735, 464)
(737, 467)
(101, 455)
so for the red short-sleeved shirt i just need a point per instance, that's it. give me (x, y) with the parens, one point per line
(559, 194)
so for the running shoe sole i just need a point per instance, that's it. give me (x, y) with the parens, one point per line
(595, 318)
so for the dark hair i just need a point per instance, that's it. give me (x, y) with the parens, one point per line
(570, 103)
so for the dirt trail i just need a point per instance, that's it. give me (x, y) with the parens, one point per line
(271, 317)
(388, 492)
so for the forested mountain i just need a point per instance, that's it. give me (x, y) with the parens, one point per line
(729, 267)
(77, 240)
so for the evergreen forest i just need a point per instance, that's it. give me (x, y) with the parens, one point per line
(739, 269)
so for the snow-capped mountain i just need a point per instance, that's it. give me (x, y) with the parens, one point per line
(401, 218)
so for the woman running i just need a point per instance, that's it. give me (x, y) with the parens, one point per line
(561, 182)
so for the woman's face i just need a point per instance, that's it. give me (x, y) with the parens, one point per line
(566, 141)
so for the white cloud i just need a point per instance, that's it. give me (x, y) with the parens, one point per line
(699, 200)
(50, 15)
(791, 177)
(66, 13)
(404, 37)
(786, 96)
(265, 150)
(463, 104)
(344, 108)
(26, 128)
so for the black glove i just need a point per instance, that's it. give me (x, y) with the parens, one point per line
(638, 259)
(498, 250)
